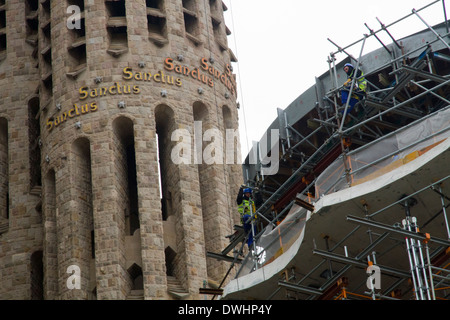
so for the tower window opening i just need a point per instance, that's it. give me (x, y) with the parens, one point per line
(118, 36)
(46, 9)
(34, 133)
(47, 49)
(78, 54)
(79, 3)
(2, 19)
(4, 171)
(2, 34)
(31, 6)
(79, 31)
(156, 25)
(191, 23)
(117, 28)
(156, 22)
(155, 4)
(49, 206)
(81, 171)
(48, 56)
(92, 244)
(32, 21)
(116, 8)
(46, 53)
(136, 276)
(165, 200)
(189, 5)
(132, 188)
(37, 276)
(170, 261)
(164, 158)
(48, 84)
(77, 40)
(170, 190)
(126, 172)
(216, 19)
(2, 43)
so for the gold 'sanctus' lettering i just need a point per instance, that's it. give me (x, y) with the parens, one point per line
(159, 77)
(75, 111)
(193, 73)
(224, 77)
(115, 89)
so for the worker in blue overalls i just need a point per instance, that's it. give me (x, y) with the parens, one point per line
(247, 202)
(359, 90)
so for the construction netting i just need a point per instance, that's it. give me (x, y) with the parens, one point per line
(276, 240)
(386, 154)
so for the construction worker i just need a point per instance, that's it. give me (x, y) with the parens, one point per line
(359, 90)
(247, 203)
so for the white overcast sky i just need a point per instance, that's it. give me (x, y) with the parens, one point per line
(282, 46)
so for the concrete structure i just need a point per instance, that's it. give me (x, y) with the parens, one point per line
(357, 186)
(91, 95)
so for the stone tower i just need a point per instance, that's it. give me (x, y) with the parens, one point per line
(118, 148)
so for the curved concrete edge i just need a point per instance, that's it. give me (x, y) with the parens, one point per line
(381, 181)
(268, 272)
(267, 276)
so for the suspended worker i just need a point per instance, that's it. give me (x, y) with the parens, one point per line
(247, 203)
(359, 89)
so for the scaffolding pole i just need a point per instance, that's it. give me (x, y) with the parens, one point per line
(420, 260)
(432, 30)
(383, 28)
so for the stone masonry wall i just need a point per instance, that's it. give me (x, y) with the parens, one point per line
(23, 233)
(137, 93)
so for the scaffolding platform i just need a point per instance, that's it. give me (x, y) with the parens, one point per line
(235, 239)
(343, 176)
(334, 246)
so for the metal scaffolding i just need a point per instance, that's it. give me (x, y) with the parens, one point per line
(408, 83)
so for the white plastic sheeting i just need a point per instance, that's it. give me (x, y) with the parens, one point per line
(385, 155)
(280, 243)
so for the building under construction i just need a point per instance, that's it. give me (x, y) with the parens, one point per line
(357, 207)
(92, 204)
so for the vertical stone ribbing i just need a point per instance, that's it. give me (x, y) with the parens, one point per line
(50, 239)
(4, 174)
(21, 234)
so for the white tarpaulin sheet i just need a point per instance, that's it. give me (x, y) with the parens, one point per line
(276, 248)
(385, 155)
